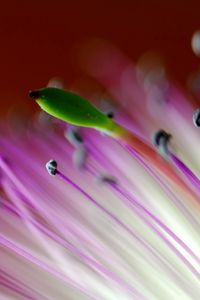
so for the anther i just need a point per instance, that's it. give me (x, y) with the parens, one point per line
(74, 137)
(106, 179)
(196, 117)
(51, 167)
(161, 140)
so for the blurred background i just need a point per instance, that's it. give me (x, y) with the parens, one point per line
(43, 39)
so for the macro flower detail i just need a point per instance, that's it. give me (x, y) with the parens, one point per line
(118, 217)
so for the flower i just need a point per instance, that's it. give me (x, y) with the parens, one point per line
(106, 224)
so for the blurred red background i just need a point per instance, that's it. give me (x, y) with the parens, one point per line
(39, 38)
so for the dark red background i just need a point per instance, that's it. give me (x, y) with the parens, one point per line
(38, 38)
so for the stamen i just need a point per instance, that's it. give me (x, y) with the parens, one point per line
(17, 290)
(22, 252)
(196, 118)
(18, 286)
(135, 204)
(106, 179)
(191, 177)
(51, 167)
(73, 136)
(86, 259)
(161, 140)
(98, 205)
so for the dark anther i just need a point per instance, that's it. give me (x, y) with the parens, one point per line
(107, 179)
(51, 167)
(74, 137)
(77, 136)
(34, 94)
(196, 118)
(161, 140)
(160, 135)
